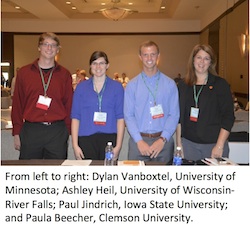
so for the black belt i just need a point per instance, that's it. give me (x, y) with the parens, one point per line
(45, 123)
(153, 135)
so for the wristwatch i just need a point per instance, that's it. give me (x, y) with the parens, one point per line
(163, 139)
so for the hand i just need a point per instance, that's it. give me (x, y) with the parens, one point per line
(156, 147)
(144, 148)
(182, 151)
(216, 152)
(116, 153)
(78, 153)
(17, 142)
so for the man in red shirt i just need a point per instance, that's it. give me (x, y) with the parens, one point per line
(42, 104)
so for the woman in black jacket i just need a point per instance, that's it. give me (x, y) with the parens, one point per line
(206, 108)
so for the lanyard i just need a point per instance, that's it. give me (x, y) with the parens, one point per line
(100, 94)
(196, 96)
(156, 87)
(45, 85)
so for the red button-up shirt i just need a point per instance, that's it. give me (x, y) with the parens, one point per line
(29, 87)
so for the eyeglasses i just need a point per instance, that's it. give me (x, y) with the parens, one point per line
(101, 64)
(46, 45)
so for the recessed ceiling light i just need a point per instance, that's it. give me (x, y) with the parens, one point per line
(17, 7)
(73, 8)
(68, 2)
(163, 7)
(130, 3)
(103, 3)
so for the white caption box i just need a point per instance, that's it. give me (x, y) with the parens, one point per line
(131, 196)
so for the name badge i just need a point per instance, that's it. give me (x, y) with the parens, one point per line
(194, 114)
(43, 102)
(100, 118)
(157, 111)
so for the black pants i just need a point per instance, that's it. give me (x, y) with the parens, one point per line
(39, 141)
(93, 146)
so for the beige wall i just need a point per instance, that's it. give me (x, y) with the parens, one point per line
(122, 51)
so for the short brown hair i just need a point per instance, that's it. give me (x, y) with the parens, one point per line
(149, 44)
(48, 35)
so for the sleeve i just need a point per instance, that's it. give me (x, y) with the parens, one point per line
(119, 102)
(17, 106)
(75, 111)
(225, 104)
(68, 101)
(172, 106)
(129, 111)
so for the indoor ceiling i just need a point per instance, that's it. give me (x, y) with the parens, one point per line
(84, 9)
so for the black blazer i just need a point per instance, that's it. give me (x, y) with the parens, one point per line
(216, 110)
